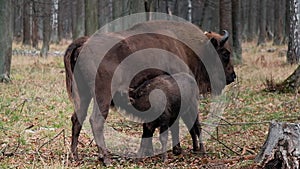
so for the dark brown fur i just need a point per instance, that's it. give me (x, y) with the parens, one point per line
(70, 58)
(100, 89)
(188, 98)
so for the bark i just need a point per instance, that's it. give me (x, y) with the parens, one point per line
(282, 147)
(226, 17)
(35, 29)
(150, 6)
(46, 27)
(244, 18)
(64, 16)
(18, 20)
(293, 53)
(26, 22)
(278, 28)
(270, 19)
(91, 14)
(292, 83)
(204, 11)
(210, 20)
(105, 15)
(252, 20)
(197, 8)
(60, 19)
(6, 23)
(287, 26)
(78, 17)
(237, 48)
(181, 9)
(262, 22)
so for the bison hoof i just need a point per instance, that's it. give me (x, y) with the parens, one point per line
(74, 156)
(106, 161)
(199, 150)
(177, 150)
(202, 149)
(164, 157)
(145, 152)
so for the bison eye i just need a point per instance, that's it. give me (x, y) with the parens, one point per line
(225, 55)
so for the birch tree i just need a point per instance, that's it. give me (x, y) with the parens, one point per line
(293, 52)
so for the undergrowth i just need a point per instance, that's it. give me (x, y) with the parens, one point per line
(35, 126)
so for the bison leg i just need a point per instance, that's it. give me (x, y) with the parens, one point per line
(196, 134)
(175, 138)
(146, 147)
(77, 119)
(97, 121)
(194, 138)
(190, 120)
(198, 130)
(163, 137)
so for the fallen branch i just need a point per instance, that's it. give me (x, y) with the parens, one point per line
(221, 143)
(235, 124)
(9, 154)
(22, 106)
(231, 160)
(47, 142)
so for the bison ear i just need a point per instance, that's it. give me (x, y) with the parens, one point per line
(214, 42)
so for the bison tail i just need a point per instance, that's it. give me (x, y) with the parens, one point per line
(70, 58)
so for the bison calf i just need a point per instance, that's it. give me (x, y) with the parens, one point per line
(181, 93)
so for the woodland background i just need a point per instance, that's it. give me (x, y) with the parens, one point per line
(35, 126)
(55, 20)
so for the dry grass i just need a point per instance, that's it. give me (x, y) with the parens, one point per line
(35, 115)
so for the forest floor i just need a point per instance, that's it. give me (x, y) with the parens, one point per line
(35, 125)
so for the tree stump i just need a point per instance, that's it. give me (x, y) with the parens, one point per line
(282, 147)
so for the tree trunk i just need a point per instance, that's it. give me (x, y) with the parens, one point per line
(105, 15)
(182, 9)
(293, 53)
(292, 83)
(244, 16)
(282, 147)
(270, 20)
(91, 14)
(78, 19)
(278, 27)
(60, 19)
(6, 33)
(18, 20)
(226, 17)
(252, 20)
(150, 6)
(47, 4)
(197, 11)
(35, 28)
(26, 22)
(262, 22)
(237, 48)
(204, 13)
(287, 21)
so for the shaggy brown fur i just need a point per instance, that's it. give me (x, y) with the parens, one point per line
(100, 88)
(185, 100)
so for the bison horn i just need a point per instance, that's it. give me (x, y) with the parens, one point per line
(224, 38)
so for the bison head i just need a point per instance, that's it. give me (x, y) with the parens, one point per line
(220, 43)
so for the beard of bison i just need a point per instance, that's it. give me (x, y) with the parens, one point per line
(81, 98)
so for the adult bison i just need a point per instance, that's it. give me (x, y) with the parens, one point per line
(94, 74)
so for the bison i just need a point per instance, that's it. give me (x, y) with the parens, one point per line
(181, 94)
(90, 74)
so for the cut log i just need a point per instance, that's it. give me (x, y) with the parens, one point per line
(282, 147)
